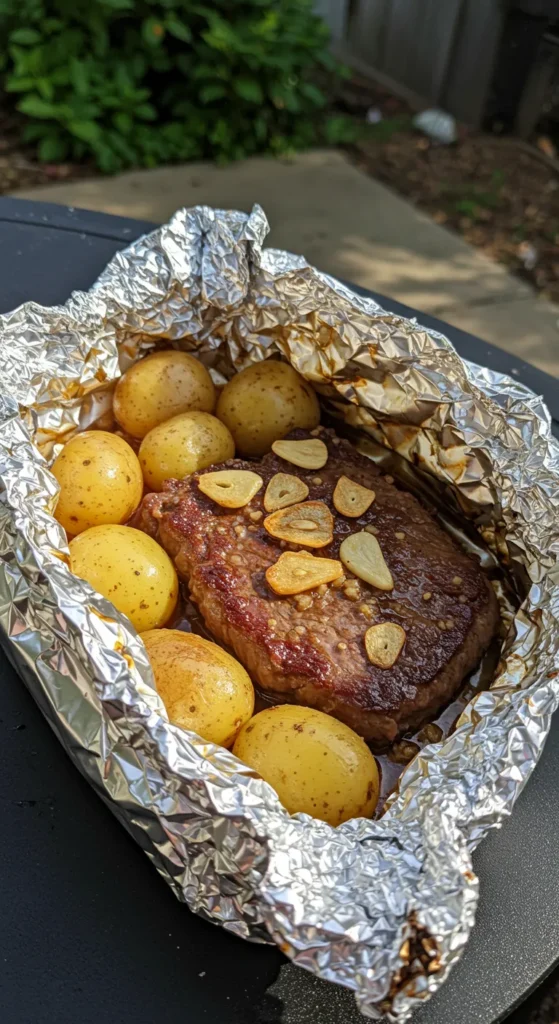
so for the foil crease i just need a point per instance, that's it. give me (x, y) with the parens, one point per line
(383, 907)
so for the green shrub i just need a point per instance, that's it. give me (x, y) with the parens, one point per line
(142, 82)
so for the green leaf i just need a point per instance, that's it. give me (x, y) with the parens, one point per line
(68, 43)
(286, 99)
(280, 145)
(221, 134)
(52, 150)
(202, 11)
(214, 91)
(34, 106)
(52, 25)
(328, 61)
(153, 31)
(178, 29)
(248, 89)
(268, 24)
(107, 160)
(25, 36)
(222, 36)
(15, 84)
(199, 70)
(146, 111)
(123, 123)
(311, 92)
(340, 129)
(79, 110)
(88, 131)
(122, 78)
(100, 42)
(79, 76)
(45, 88)
(34, 131)
(60, 76)
(122, 147)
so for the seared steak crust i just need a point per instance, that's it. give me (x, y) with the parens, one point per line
(316, 655)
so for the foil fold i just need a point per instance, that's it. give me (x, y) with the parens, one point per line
(383, 907)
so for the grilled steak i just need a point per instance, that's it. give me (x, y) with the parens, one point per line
(309, 649)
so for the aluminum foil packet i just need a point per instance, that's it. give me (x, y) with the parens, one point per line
(383, 907)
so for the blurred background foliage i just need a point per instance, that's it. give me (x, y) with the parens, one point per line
(145, 82)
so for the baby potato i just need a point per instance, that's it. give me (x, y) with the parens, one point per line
(158, 387)
(263, 403)
(190, 441)
(100, 481)
(315, 763)
(130, 569)
(203, 688)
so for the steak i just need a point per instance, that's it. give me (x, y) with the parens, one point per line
(310, 650)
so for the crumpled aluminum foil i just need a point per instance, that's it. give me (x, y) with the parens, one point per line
(384, 907)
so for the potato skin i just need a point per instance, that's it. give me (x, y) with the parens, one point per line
(265, 402)
(203, 688)
(100, 481)
(130, 569)
(183, 444)
(158, 387)
(315, 763)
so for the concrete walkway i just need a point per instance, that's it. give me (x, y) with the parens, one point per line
(350, 225)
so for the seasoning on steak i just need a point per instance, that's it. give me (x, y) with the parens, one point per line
(310, 648)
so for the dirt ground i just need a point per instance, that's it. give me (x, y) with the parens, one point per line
(499, 193)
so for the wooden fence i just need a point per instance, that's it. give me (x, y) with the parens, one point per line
(441, 50)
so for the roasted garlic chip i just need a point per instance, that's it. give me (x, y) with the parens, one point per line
(383, 643)
(311, 454)
(296, 572)
(284, 490)
(362, 555)
(351, 499)
(309, 523)
(231, 488)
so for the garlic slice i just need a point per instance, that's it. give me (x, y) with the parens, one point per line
(296, 572)
(309, 523)
(383, 643)
(231, 488)
(283, 490)
(351, 499)
(362, 555)
(309, 454)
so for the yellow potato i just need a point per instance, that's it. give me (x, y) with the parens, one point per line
(130, 569)
(190, 441)
(315, 763)
(158, 387)
(203, 688)
(263, 403)
(100, 481)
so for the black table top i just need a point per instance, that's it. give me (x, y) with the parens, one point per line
(90, 933)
